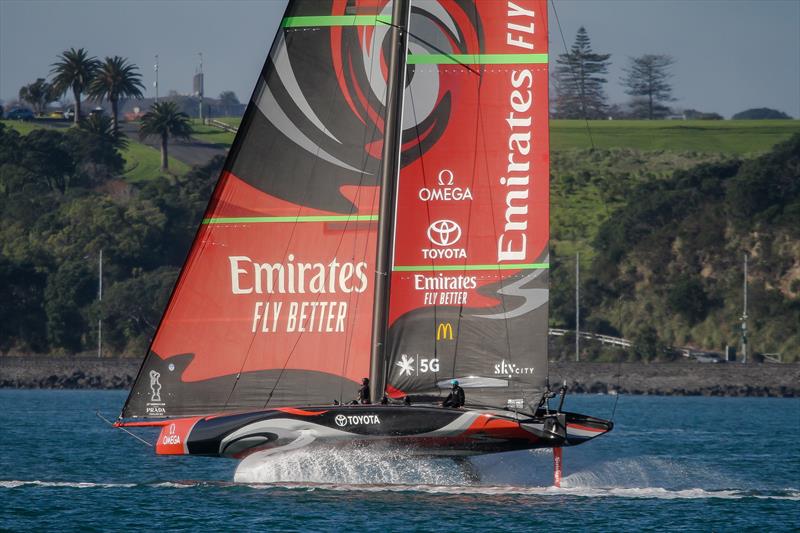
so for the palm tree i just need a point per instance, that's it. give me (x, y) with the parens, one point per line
(74, 70)
(115, 79)
(165, 120)
(103, 128)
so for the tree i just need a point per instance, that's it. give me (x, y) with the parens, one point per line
(647, 80)
(102, 127)
(761, 113)
(580, 80)
(228, 99)
(68, 289)
(694, 114)
(38, 94)
(115, 79)
(74, 71)
(97, 148)
(687, 297)
(166, 121)
(46, 155)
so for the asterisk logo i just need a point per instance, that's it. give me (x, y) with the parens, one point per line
(406, 367)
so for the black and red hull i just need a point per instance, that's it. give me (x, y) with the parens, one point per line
(423, 429)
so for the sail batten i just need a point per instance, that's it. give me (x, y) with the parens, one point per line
(443, 268)
(477, 59)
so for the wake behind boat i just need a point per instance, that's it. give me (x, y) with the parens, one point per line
(383, 212)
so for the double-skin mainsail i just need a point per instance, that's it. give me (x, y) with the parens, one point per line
(444, 180)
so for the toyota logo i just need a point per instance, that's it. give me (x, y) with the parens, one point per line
(444, 232)
(340, 420)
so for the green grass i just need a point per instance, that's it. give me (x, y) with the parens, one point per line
(704, 136)
(212, 135)
(143, 163)
(230, 121)
(23, 128)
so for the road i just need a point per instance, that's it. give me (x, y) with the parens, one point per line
(193, 152)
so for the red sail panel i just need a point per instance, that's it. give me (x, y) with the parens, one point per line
(469, 282)
(273, 306)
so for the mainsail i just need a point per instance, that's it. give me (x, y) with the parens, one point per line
(274, 303)
(469, 285)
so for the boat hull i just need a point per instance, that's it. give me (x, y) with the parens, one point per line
(425, 430)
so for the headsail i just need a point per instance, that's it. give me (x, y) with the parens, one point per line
(469, 283)
(273, 305)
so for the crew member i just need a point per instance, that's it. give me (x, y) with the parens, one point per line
(363, 392)
(456, 396)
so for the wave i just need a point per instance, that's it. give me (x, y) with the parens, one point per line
(14, 483)
(501, 490)
(791, 494)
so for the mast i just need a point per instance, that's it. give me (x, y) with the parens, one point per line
(390, 166)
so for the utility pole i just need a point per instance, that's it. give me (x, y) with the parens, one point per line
(155, 84)
(578, 306)
(100, 299)
(744, 315)
(200, 92)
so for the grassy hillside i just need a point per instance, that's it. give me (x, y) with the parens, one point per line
(706, 136)
(662, 237)
(142, 162)
(701, 136)
(213, 135)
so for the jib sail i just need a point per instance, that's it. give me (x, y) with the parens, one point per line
(469, 285)
(274, 303)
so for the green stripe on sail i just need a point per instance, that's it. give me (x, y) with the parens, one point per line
(440, 268)
(333, 20)
(261, 220)
(476, 59)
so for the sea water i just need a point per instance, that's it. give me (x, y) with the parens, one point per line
(671, 464)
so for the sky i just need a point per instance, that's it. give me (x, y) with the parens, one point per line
(730, 55)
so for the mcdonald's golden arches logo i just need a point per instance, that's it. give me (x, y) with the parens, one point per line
(444, 331)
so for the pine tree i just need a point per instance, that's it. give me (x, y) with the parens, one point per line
(647, 80)
(580, 80)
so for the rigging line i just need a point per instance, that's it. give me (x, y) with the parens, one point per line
(263, 82)
(331, 109)
(572, 67)
(375, 198)
(480, 134)
(431, 45)
(397, 185)
(427, 209)
(478, 129)
(619, 378)
(269, 297)
(135, 436)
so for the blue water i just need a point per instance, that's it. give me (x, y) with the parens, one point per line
(671, 464)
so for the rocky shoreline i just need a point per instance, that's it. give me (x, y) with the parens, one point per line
(666, 379)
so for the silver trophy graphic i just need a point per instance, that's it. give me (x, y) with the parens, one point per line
(155, 386)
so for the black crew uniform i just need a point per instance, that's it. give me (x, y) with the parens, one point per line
(363, 393)
(455, 398)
